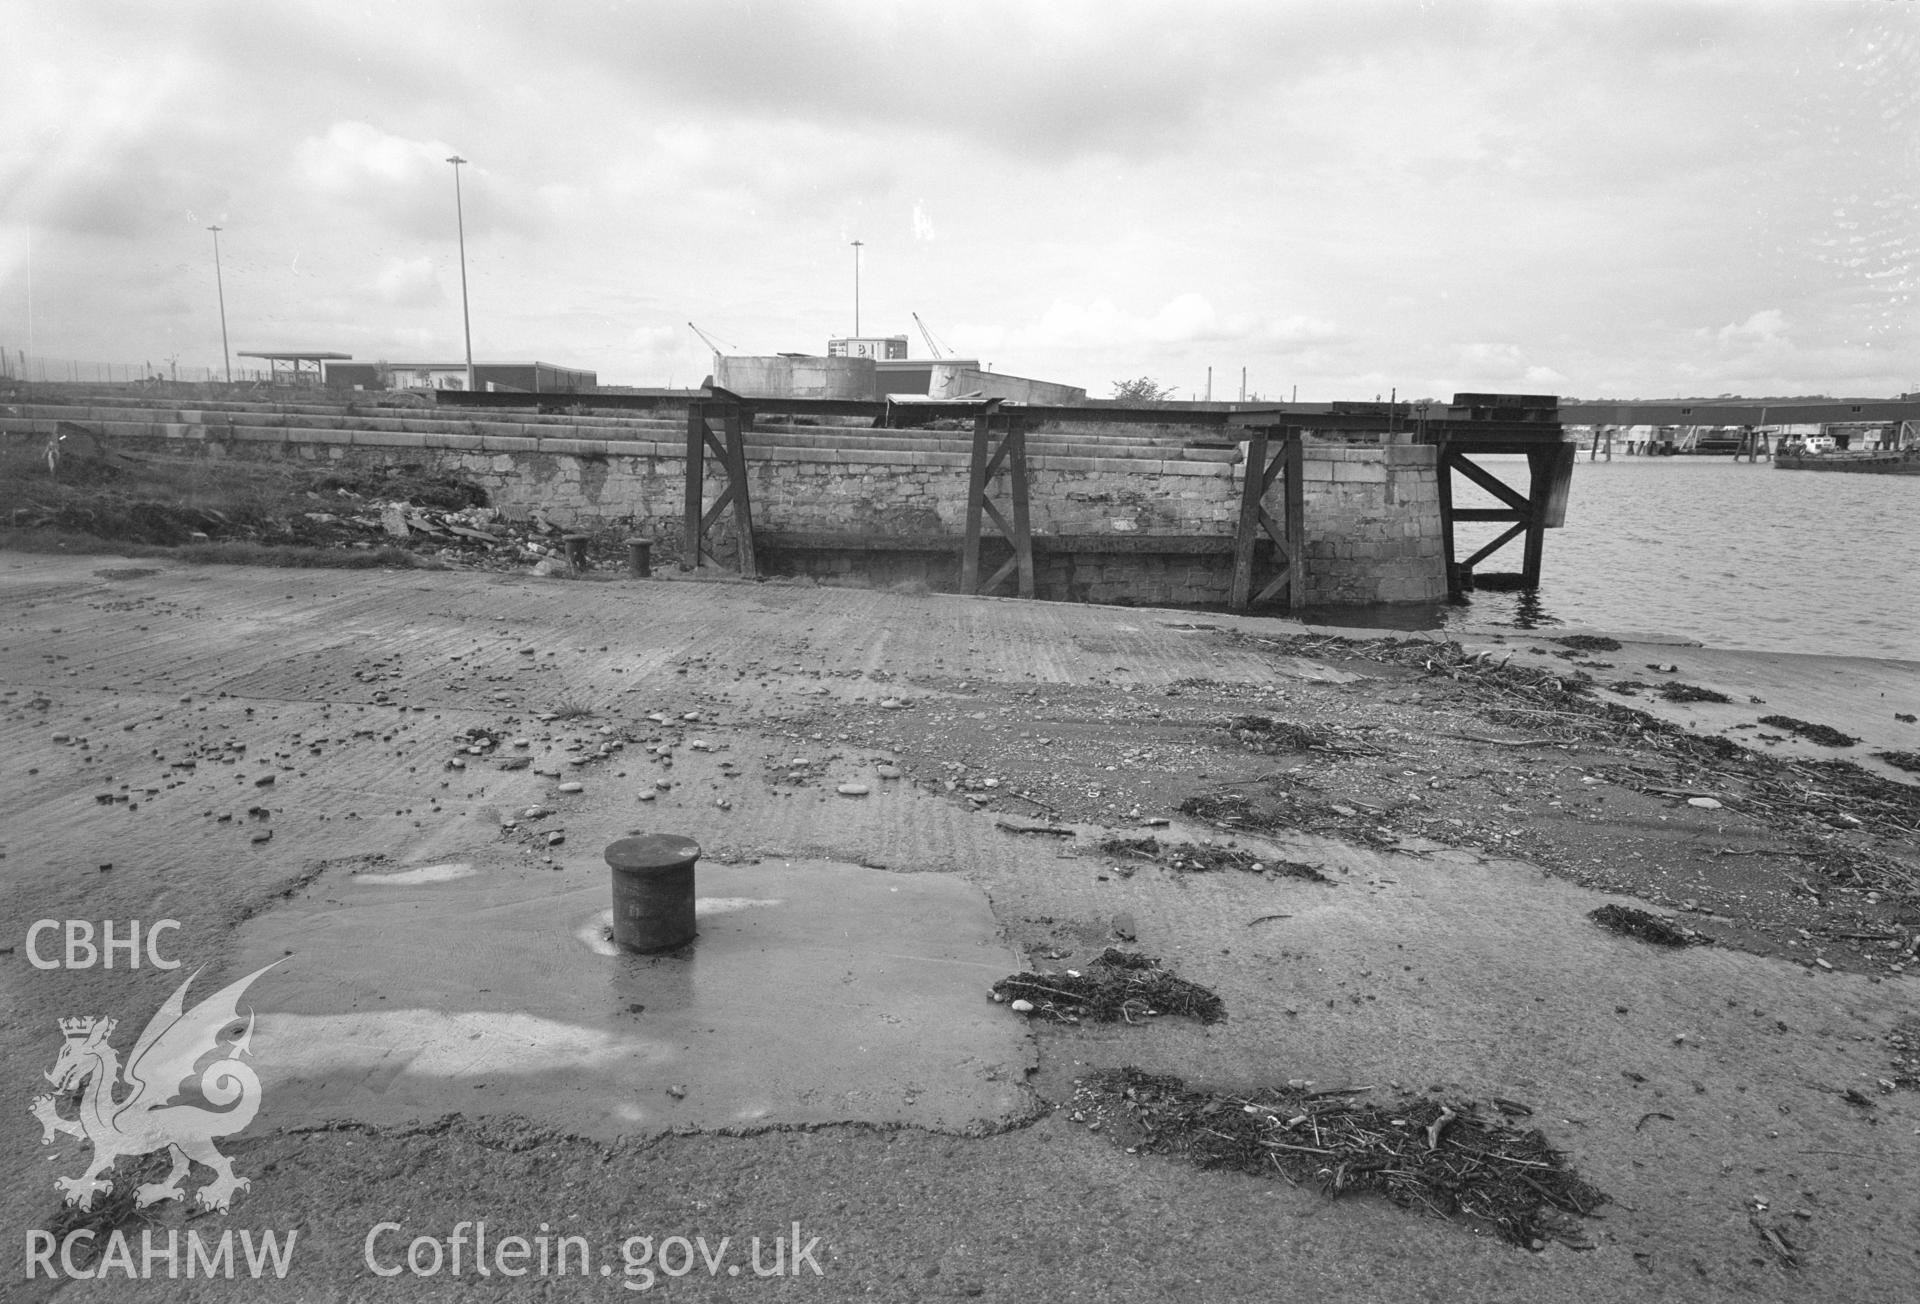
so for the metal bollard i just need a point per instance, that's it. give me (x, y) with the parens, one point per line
(653, 891)
(640, 557)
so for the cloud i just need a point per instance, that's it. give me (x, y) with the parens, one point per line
(1186, 319)
(404, 184)
(409, 283)
(1764, 328)
(1498, 365)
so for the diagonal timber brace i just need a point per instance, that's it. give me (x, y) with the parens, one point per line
(998, 442)
(700, 519)
(1268, 459)
(1527, 515)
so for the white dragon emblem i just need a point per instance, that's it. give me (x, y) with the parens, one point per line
(148, 1118)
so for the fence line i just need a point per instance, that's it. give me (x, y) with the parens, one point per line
(19, 365)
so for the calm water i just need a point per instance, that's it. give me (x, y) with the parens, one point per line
(1735, 555)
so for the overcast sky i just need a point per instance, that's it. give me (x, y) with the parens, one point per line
(1621, 200)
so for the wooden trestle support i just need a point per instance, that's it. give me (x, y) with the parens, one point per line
(700, 519)
(1288, 536)
(989, 457)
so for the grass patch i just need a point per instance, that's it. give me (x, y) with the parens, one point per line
(570, 708)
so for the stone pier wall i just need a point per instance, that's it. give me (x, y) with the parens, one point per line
(1372, 511)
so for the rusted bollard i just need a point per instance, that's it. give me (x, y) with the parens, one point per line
(576, 546)
(653, 891)
(640, 557)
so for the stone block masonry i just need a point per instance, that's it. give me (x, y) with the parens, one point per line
(887, 506)
(1373, 524)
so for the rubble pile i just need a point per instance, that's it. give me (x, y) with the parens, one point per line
(470, 537)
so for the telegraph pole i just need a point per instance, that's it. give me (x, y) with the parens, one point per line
(460, 216)
(220, 286)
(856, 288)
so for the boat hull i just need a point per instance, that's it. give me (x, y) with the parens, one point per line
(1890, 462)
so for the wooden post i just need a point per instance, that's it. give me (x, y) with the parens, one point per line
(737, 484)
(1539, 486)
(696, 472)
(1296, 522)
(1252, 484)
(976, 494)
(1443, 462)
(1022, 535)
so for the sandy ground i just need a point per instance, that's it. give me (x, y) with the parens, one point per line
(329, 719)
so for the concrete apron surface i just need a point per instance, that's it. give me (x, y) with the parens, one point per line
(813, 993)
(431, 964)
(1860, 696)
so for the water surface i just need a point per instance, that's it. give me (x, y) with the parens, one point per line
(1731, 554)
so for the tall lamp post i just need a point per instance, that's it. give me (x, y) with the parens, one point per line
(466, 323)
(220, 286)
(856, 288)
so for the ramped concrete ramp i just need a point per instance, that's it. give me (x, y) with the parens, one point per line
(814, 993)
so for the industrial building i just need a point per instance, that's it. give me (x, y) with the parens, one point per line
(519, 377)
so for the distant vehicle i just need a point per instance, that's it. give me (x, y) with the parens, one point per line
(1809, 444)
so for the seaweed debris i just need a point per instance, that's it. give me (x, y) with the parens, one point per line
(1263, 734)
(1229, 810)
(1195, 858)
(1420, 1153)
(1905, 1041)
(1675, 691)
(1588, 642)
(1118, 986)
(1908, 761)
(112, 1211)
(1647, 927)
(1825, 735)
(1807, 800)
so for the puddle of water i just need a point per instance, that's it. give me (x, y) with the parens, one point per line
(806, 997)
(412, 877)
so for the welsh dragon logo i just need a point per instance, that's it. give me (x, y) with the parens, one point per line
(150, 1115)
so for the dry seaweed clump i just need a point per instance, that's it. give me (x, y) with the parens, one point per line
(1646, 926)
(1230, 810)
(1824, 734)
(1675, 691)
(1193, 858)
(1589, 642)
(1118, 986)
(1444, 1157)
(115, 1209)
(1263, 734)
(1905, 1042)
(1908, 761)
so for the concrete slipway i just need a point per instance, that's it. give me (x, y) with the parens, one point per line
(825, 1053)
